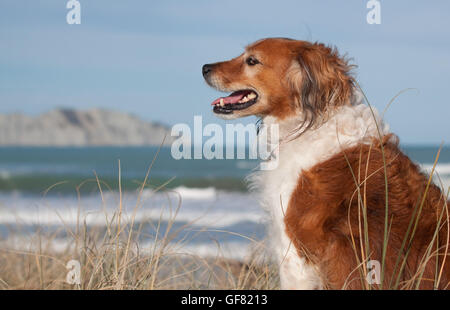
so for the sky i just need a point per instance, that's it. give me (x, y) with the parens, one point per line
(145, 57)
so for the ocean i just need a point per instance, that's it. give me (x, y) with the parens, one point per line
(205, 201)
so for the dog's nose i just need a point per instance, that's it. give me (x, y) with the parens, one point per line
(206, 69)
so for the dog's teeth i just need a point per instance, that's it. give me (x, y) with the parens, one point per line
(221, 102)
(251, 95)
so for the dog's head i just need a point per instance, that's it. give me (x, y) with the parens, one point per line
(281, 77)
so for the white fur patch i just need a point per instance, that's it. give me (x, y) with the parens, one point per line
(347, 127)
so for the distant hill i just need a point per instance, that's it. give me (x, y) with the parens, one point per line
(68, 127)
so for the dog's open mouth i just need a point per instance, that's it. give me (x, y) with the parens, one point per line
(238, 100)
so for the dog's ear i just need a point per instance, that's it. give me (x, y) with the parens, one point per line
(319, 79)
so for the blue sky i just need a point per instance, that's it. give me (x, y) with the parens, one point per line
(145, 57)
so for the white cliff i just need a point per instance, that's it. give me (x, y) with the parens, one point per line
(67, 127)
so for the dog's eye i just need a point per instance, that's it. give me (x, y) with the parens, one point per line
(251, 61)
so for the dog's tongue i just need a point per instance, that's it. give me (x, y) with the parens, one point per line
(233, 98)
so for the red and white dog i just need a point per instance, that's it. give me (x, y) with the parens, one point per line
(331, 207)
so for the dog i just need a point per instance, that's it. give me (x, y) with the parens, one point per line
(344, 197)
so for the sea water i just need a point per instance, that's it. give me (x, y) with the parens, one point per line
(53, 190)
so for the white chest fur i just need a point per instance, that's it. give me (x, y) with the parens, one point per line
(347, 127)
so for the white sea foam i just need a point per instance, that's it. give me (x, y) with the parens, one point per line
(441, 174)
(205, 211)
(441, 169)
(208, 193)
(202, 207)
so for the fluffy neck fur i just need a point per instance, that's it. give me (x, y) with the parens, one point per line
(345, 127)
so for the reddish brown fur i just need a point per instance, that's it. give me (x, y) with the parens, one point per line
(323, 215)
(293, 75)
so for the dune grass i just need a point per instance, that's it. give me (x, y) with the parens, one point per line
(363, 249)
(113, 257)
(114, 264)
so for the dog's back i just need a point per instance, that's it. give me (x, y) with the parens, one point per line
(344, 214)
